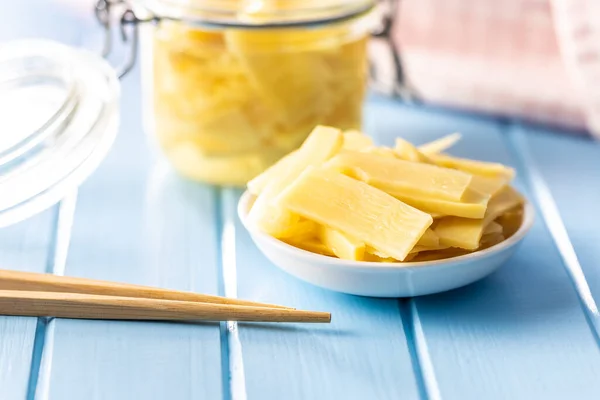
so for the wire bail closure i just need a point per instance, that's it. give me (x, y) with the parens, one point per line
(401, 86)
(128, 27)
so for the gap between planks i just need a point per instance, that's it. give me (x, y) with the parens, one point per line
(419, 353)
(58, 249)
(548, 209)
(232, 362)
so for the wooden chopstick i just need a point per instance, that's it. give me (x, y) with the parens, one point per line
(89, 306)
(31, 281)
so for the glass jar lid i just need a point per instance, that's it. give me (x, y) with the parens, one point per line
(257, 13)
(58, 119)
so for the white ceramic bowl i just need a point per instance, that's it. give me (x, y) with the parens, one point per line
(384, 279)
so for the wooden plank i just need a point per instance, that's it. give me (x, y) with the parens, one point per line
(521, 332)
(567, 173)
(362, 354)
(169, 242)
(137, 222)
(23, 247)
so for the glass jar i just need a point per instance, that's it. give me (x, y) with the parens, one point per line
(233, 85)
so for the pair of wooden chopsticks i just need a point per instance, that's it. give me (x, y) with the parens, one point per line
(46, 295)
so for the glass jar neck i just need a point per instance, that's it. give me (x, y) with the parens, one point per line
(257, 14)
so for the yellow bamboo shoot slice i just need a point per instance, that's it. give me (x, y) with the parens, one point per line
(303, 229)
(356, 141)
(313, 245)
(344, 246)
(466, 233)
(256, 185)
(322, 143)
(492, 228)
(357, 209)
(380, 151)
(460, 232)
(407, 151)
(420, 249)
(291, 82)
(376, 252)
(434, 215)
(409, 257)
(508, 198)
(511, 221)
(429, 238)
(473, 166)
(490, 240)
(375, 258)
(374, 255)
(440, 145)
(400, 176)
(488, 185)
(473, 205)
(439, 254)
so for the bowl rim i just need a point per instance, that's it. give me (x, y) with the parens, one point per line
(526, 225)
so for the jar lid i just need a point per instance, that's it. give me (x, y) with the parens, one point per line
(257, 13)
(58, 119)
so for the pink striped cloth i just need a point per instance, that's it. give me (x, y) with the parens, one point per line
(537, 60)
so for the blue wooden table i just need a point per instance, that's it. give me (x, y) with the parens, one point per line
(529, 331)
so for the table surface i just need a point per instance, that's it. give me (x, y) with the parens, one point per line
(529, 331)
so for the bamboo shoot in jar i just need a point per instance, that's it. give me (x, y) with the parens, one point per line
(230, 101)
